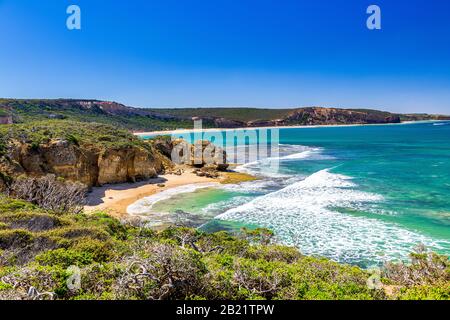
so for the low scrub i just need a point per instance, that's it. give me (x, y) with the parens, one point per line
(96, 257)
(50, 193)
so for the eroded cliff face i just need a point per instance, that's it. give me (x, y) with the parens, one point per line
(200, 154)
(312, 116)
(206, 158)
(118, 165)
(330, 116)
(87, 164)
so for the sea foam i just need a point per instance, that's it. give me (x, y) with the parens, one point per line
(304, 214)
(264, 167)
(143, 207)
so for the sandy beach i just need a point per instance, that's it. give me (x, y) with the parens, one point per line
(184, 131)
(114, 199)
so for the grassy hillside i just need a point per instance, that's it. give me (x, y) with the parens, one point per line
(239, 114)
(41, 252)
(80, 133)
(148, 119)
(25, 111)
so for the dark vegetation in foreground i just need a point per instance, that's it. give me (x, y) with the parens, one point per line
(39, 249)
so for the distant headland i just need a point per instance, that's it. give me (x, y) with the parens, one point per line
(156, 119)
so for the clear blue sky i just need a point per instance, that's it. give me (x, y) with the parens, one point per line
(172, 53)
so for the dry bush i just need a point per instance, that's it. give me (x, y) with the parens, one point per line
(31, 284)
(50, 193)
(5, 257)
(97, 279)
(257, 280)
(257, 236)
(426, 268)
(166, 272)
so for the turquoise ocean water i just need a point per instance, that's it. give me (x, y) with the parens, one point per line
(359, 194)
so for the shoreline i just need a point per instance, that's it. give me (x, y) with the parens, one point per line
(114, 199)
(184, 131)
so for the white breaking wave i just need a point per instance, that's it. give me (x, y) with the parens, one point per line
(144, 206)
(264, 166)
(307, 154)
(251, 187)
(302, 215)
(298, 156)
(221, 206)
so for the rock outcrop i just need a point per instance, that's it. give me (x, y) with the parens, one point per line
(164, 145)
(330, 116)
(204, 156)
(89, 165)
(200, 154)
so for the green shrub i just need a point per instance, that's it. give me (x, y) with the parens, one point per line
(5, 286)
(273, 253)
(3, 176)
(104, 221)
(15, 238)
(65, 258)
(8, 205)
(72, 139)
(436, 291)
(124, 262)
(258, 235)
(100, 251)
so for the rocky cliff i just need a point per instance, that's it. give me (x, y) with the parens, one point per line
(84, 160)
(201, 154)
(149, 119)
(331, 116)
(207, 158)
(91, 166)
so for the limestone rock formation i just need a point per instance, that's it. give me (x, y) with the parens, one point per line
(200, 154)
(90, 165)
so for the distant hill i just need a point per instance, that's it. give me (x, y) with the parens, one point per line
(141, 119)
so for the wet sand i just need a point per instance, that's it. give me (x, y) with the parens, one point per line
(114, 199)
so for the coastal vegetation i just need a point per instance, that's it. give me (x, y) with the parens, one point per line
(116, 115)
(51, 249)
(41, 251)
(156, 119)
(78, 133)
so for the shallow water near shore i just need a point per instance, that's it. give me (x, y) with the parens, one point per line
(360, 195)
